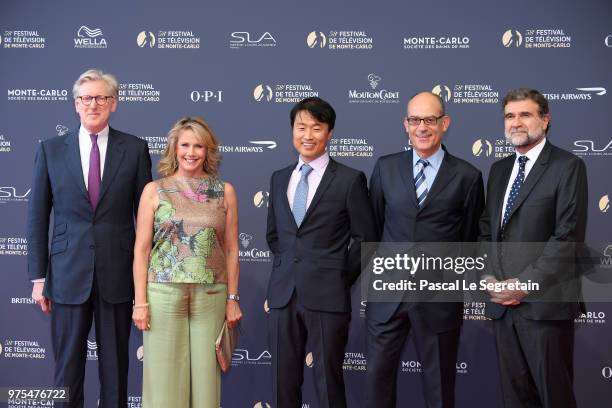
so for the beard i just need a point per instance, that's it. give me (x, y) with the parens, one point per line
(522, 137)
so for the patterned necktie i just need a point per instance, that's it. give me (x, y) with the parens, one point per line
(301, 195)
(94, 179)
(516, 187)
(420, 183)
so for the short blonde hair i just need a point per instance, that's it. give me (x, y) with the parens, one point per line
(168, 165)
(96, 75)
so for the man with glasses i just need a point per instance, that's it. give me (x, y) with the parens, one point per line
(421, 195)
(537, 206)
(92, 179)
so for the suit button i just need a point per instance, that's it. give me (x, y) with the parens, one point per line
(92, 247)
(296, 260)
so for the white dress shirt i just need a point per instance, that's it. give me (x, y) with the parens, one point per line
(532, 155)
(85, 149)
(314, 178)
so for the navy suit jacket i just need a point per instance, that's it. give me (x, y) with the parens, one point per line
(546, 223)
(449, 214)
(321, 259)
(84, 241)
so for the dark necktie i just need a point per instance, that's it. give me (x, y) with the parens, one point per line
(94, 179)
(516, 187)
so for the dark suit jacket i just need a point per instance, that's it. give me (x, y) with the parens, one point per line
(85, 241)
(548, 218)
(320, 260)
(450, 214)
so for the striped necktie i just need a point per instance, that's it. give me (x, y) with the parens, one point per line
(420, 183)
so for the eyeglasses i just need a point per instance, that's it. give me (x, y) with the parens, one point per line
(101, 100)
(429, 121)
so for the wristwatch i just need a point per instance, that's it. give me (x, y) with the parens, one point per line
(233, 296)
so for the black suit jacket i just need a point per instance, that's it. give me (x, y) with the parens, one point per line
(548, 218)
(450, 214)
(85, 241)
(320, 260)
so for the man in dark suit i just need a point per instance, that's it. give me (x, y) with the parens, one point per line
(319, 213)
(92, 179)
(536, 208)
(421, 195)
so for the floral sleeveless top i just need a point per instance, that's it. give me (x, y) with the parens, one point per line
(189, 228)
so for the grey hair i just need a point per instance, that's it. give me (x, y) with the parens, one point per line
(96, 75)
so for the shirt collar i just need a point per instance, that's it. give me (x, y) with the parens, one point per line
(534, 152)
(102, 135)
(317, 164)
(435, 160)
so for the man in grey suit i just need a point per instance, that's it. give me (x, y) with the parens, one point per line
(92, 179)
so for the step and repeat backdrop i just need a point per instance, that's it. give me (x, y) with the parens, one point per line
(242, 65)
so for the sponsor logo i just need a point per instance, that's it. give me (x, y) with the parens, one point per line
(157, 144)
(606, 260)
(241, 39)
(482, 148)
(205, 96)
(253, 254)
(372, 95)
(362, 308)
(61, 130)
(134, 401)
(537, 38)
(512, 38)
(13, 194)
(254, 146)
(604, 203)
(5, 144)
(266, 307)
(592, 148)
(340, 147)
(354, 362)
(340, 40)
(145, 38)
(140, 353)
(592, 317)
(411, 366)
(37, 95)
(243, 356)
(168, 39)
(92, 350)
(606, 372)
(474, 311)
(22, 301)
(309, 360)
(260, 199)
(138, 92)
(283, 93)
(436, 43)
(467, 93)
(585, 94)
(608, 41)
(262, 404)
(90, 38)
(23, 349)
(30, 39)
(17, 246)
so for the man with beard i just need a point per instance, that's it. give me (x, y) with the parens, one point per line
(536, 207)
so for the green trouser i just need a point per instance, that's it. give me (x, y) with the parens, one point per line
(180, 367)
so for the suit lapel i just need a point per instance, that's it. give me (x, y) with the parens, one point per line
(114, 156)
(328, 176)
(73, 160)
(445, 174)
(283, 181)
(406, 171)
(532, 179)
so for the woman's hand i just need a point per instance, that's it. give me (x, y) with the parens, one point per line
(140, 316)
(232, 313)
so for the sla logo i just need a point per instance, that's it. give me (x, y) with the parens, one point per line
(242, 356)
(10, 193)
(260, 198)
(243, 39)
(262, 92)
(606, 372)
(88, 38)
(61, 130)
(587, 147)
(443, 92)
(374, 80)
(604, 204)
(512, 37)
(145, 38)
(316, 38)
(482, 147)
(261, 404)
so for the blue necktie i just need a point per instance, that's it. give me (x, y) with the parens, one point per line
(420, 183)
(301, 195)
(516, 187)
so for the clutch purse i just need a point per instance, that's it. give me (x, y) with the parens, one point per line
(225, 345)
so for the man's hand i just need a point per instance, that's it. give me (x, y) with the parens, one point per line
(507, 297)
(37, 295)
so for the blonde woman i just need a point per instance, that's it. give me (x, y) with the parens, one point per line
(185, 270)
